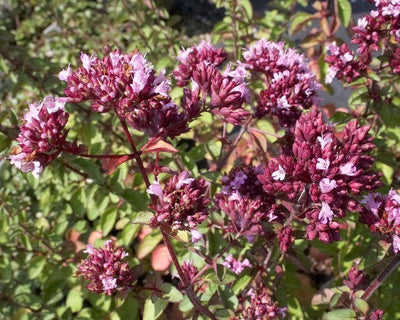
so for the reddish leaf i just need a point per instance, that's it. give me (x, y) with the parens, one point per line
(115, 162)
(158, 145)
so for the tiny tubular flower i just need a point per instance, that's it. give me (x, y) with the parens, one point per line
(326, 213)
(349, 169)
(279, 174)
(322, 164)
(326, 185)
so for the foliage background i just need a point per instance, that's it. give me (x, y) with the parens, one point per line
(45, 223)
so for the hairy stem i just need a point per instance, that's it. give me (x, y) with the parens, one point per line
(393, 264)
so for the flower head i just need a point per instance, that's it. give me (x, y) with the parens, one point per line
(182, 203)
(105, 270)
(41, 136)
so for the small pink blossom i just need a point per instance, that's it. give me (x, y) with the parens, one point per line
(326, 185)
(349, 169)
(396, 243)
(87, 60)
(235, 265)
(322, 164)
(64, 74)
(196, 235)
(184, 180)
(326, 214)
(109, 284)
(156, 189)
(283, 103)
(324, 141)
(279, 174)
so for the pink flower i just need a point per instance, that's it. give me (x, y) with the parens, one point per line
(322, 164)
(326, 185)
(109, 284)
(349, 169)
(279, 174)
(235, 265)
(396, 243)
(196, 235)
(41, 137)
(105, 270)
(324, 141)
(156, 189)
(326, 214)
(183, 207)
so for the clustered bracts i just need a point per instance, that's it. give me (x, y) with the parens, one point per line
(380, 26)
(181, 204)
(324, 174)
(128, 84)
(227, 91)
(41, 137)
(343, 64)
(382, 214)
(191, 57)
(290, 84)
(105, 270)
(262, 306)
(243, 199)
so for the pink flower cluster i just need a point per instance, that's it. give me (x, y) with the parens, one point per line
(105, 270)
(41, 137)
(324, 174)
(290, 84)
(382, 214)
(235, 265)
(344, 64)
(181, 204)
(262, 307)
(227, 91)
(189, 269)
(128, 84)
(242, 198)
(379, 27)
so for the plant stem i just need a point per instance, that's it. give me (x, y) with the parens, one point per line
(135, 153)
(233, 146)
(188, 289)
(393, 264)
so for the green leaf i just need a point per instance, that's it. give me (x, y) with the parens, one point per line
(36, 266)
(344, 12)
(142, 217)
(299, 21)
(108, 219)
(342, 314)
(129, 309)
(241, 283)
(148, 244)
(361, 305)
(152, 310)
(74, 299)
(229, 299)
(172, 294)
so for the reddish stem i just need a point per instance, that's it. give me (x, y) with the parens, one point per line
(221, 163)
(188, 289)
(393, 264)
(135, 154)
